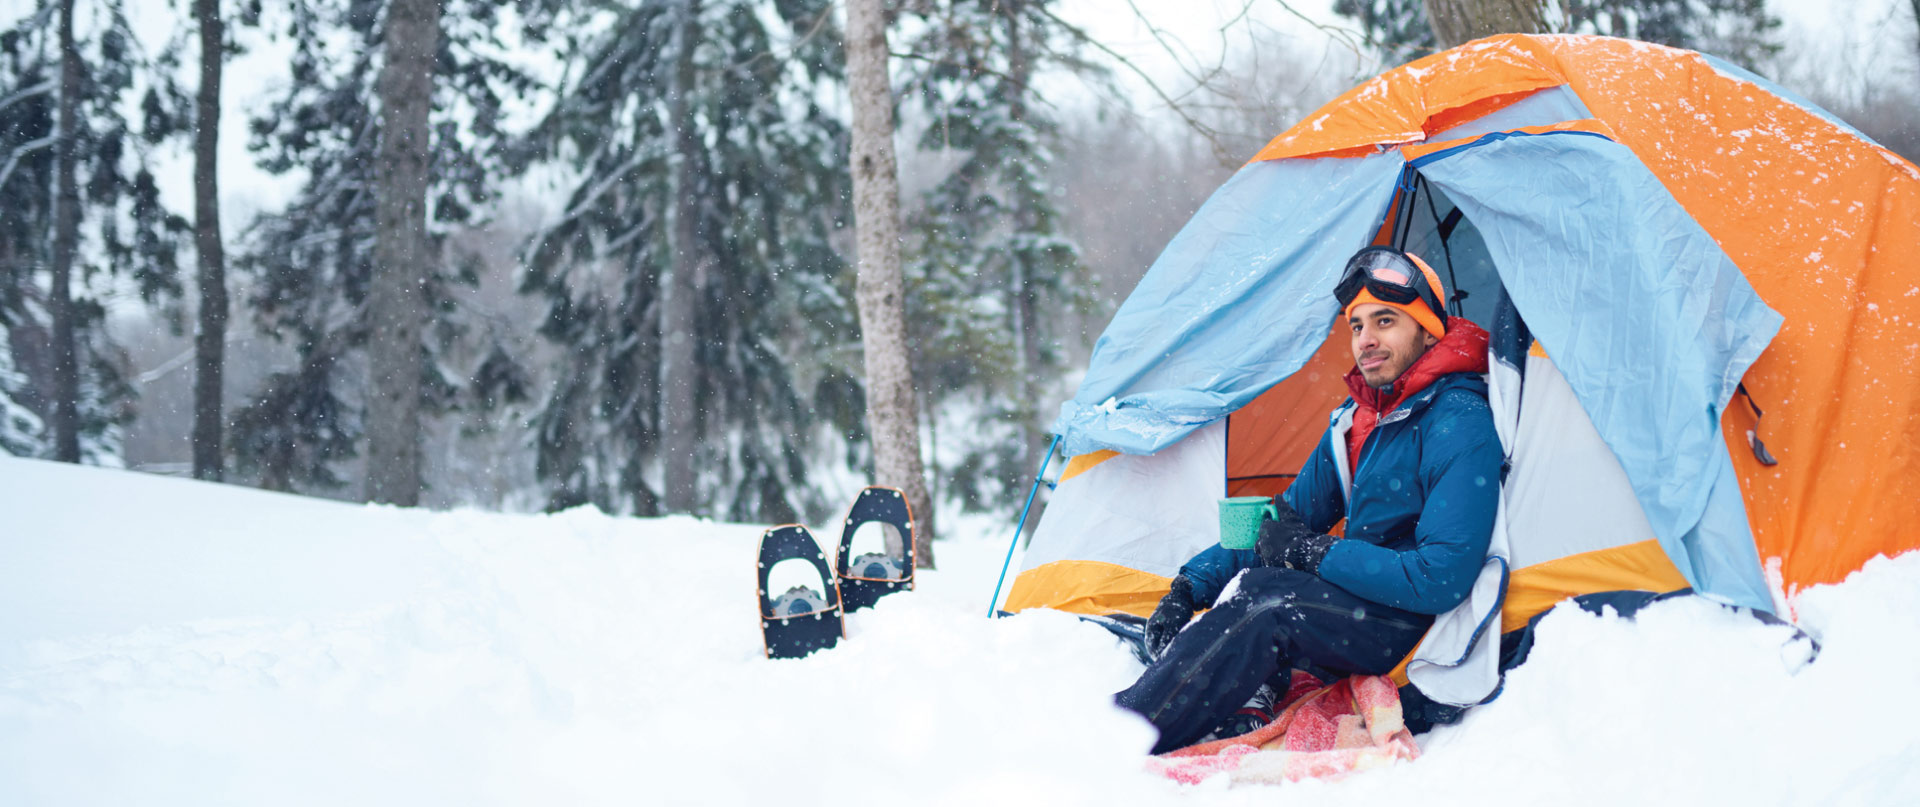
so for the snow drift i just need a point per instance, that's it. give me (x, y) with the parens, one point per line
(172, 642)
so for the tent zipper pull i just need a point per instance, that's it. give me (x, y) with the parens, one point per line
(1753, 440)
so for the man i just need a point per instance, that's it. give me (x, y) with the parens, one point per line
(1411, 463)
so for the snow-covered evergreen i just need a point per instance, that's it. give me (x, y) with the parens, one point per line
(308, 267)
(21, 432)
(126, 239)
(993, 275)
(772, 318)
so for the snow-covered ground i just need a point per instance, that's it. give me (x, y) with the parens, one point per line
(169, 642)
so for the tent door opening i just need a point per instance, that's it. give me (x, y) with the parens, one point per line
(1269, 439)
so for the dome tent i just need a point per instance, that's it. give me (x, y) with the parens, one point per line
(1665, 247)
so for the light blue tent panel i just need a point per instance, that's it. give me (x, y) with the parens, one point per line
(1651, 323)
(1239, 300)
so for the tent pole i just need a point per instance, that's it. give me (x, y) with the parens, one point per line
(1020, 527)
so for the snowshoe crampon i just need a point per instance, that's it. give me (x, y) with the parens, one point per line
(802, 619)
(867, 578)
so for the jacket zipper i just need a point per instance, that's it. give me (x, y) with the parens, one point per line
(1356, 467)
(1407, 406)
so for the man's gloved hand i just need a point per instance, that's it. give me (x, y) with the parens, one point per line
(1305, 554)
(1175, 610)
(1277, 534)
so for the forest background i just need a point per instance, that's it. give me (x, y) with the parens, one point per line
(1047, 151)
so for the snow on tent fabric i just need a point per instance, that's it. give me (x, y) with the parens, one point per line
(1664, 246)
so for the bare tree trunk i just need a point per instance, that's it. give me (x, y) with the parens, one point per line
(66, 239)
(679, 303)
(209, 340)
(397, 306)
(1026, 329)
(892, 421)
(1456, 22)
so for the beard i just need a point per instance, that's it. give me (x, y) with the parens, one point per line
(1397, 361)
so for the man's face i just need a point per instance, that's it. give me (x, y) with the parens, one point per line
(1385, 342)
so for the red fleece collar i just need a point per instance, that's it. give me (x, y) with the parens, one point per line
(1462, 350)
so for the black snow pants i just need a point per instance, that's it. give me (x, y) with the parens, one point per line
(1277, 619)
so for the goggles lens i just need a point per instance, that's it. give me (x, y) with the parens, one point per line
(1389, 275)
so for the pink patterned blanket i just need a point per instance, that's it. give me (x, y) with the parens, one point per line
(1323, 732)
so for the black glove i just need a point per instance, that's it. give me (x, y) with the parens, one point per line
(1175, 610)
(1305, 554)
(1277, 534)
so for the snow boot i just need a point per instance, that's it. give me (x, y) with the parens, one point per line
(1259, 710)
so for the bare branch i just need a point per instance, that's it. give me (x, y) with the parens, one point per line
(42, 88)
(1212, 135)
(819, 23)
(1158, 36)
(13, 158)
(1355, 41)
(971, 68)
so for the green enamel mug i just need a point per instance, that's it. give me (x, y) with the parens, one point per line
(1240, 518)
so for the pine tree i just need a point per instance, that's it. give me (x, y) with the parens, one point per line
(311, 265)
(1738, 30)
(83, 214)
(993, 276)
(22, 434)
(708, 173)
(26, 175)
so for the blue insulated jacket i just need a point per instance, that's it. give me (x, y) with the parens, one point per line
(1421, 510)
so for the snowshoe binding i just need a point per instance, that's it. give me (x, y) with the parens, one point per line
(867, 578)
(802, 619)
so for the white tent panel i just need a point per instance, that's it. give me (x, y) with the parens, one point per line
(1150, 513)
(1566, 492)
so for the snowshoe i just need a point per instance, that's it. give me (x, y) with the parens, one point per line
(799, 601)
(867, 578)
(876, 566)
(802, 619)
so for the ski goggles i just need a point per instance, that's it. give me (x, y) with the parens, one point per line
(1391, 276)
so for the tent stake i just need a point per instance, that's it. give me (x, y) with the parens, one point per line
(1020, 527)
